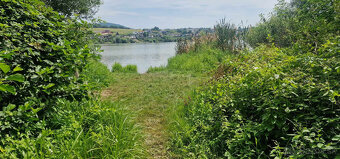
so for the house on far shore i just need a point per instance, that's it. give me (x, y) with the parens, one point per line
(106, 32)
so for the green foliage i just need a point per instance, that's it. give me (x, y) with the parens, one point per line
(197, 56)
(269, 102)
(118, 68)
(97, 75)
(85, 129)
(229, 37)
(265, 104)
(182, 46)
(156, 69)
(46, 74)
(85, 8)
(130, 69)
(304, 24)
(41, 57)
(155, 29)
(225, 33)
(202, 61)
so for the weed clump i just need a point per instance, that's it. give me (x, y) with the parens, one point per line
(130, 69)
(118, 68)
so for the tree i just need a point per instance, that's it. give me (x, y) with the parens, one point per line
(155, 29)
(85, 8)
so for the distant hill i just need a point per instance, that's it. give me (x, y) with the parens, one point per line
(110, 25)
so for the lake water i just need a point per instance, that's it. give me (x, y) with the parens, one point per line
(144, 55)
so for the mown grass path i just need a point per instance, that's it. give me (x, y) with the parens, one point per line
(147, 97)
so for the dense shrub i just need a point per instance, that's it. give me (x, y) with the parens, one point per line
(305, 24)
(270, 102)
(42, 57)
(266, 104)
(48, 65)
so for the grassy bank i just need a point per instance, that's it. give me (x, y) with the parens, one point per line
(199, 62)
(147, 98)
(153, 99)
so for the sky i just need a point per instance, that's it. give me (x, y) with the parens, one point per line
(172, 14)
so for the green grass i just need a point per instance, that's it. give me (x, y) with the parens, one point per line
(118, 68)
(90, 128)
(86, 129)
(203, 61)
(97, 74)
(120, 31)
(148, 98)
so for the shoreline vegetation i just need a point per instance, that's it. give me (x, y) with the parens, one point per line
(267, 91)
(154, 35)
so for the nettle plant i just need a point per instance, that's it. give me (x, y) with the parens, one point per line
(42, 56)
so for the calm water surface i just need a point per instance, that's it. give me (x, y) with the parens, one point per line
(144, 55)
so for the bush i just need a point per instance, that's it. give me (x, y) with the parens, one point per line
(266, 104)
(46, 73)
(304, 24)
(41, 59)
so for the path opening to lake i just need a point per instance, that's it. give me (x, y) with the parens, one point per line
(144, 55)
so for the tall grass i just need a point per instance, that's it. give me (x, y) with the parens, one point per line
(197, 55)
(86, 129)
(229, 36)
(89, 128)
(203, 61)
(194, 44)
(118, 68)
(182, 46)
(97, 75)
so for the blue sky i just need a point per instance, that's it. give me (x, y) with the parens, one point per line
(182, 13)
